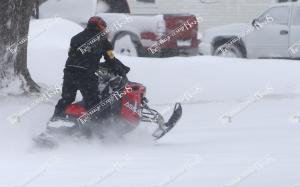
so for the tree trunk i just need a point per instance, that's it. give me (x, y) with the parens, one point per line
(14, 21)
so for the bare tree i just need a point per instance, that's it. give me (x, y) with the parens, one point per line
(14, 26)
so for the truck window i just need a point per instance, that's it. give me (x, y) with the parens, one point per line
(296, 17)
(280, 15)
(112, 6)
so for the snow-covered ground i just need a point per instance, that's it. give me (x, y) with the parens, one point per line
(258, 148)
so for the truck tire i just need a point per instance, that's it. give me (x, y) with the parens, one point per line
(127, 44)
(232, 51)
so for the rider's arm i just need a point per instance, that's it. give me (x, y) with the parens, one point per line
(72, 50)
(108, 51)
(116, 65)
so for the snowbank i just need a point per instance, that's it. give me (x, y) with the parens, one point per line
(49, 41)
(216, 76)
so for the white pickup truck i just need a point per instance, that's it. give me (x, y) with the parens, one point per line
(273, 34)
(131, 34)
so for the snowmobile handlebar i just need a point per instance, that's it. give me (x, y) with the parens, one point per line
(104, 72)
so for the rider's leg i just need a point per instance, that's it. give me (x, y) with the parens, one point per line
(68, 95)
(89, 91)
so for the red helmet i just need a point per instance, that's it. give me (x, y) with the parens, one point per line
(98, 22)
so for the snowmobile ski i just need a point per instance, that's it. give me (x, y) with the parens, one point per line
(163, 129)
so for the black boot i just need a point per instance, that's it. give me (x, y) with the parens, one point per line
(57, 116)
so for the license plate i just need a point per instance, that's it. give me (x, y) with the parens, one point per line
(184, 43)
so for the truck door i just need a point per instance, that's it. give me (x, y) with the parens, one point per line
(294, 44)
(272, 38)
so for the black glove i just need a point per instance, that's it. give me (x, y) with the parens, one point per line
(118, 67)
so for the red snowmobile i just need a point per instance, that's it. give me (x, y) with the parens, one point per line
(123, 107)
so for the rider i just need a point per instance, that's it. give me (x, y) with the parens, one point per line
(86, 50)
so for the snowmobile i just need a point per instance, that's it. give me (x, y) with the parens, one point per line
(122, 108)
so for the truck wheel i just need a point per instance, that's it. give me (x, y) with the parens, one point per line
(231, 51)
(126, 45)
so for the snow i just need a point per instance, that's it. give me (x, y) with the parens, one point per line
(260, 147)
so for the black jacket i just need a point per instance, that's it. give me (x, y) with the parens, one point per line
(87, 48)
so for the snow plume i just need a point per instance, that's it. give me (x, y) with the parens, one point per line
(10, 84)
(42, 98)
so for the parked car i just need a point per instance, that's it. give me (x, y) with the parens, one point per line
(131, 34)
(273, 34)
